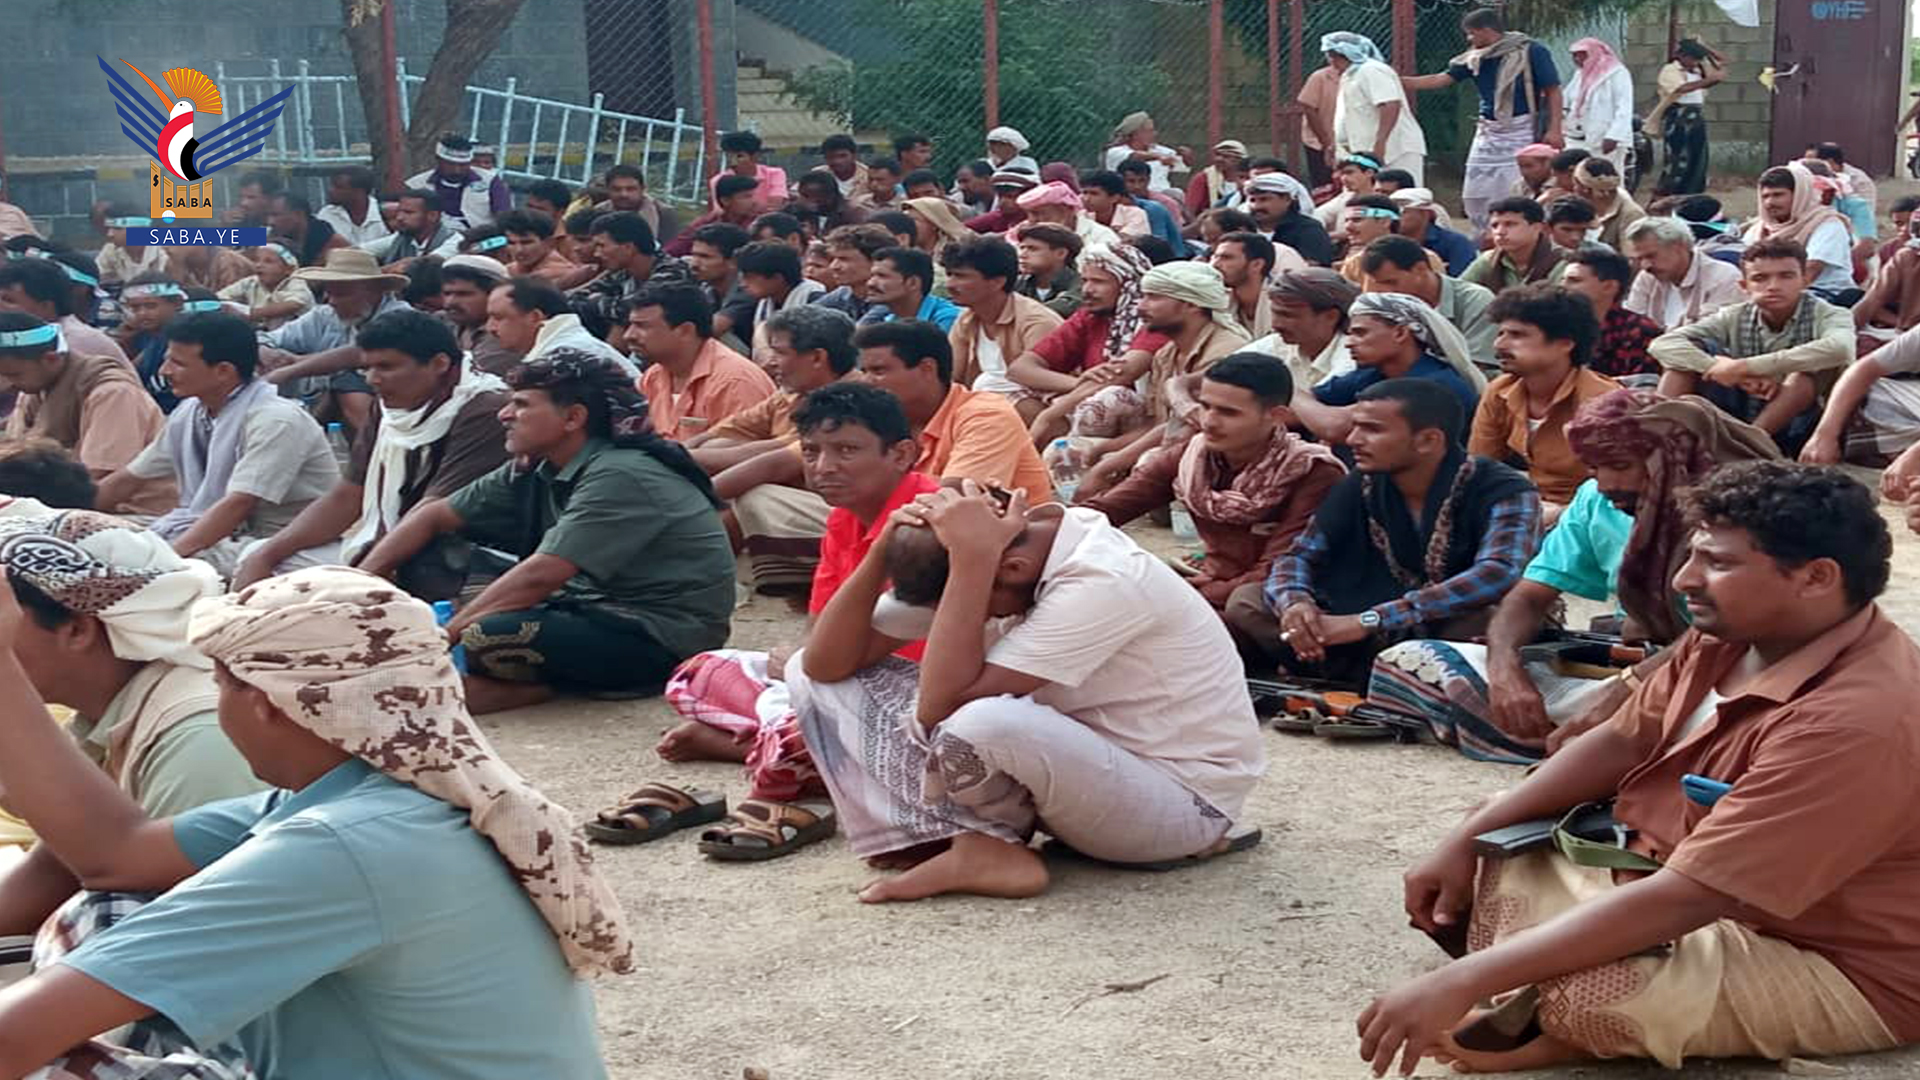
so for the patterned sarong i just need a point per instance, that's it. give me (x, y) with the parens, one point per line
(1492, 168)
(732, 690)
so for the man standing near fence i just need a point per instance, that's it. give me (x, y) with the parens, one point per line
(1372, 115)
(1519, 102)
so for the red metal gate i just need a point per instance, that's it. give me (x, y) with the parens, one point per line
(1846, 88)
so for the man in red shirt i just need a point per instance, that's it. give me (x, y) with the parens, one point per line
(1091, 351)
(858, 451)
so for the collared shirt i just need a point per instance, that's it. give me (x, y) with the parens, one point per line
(284, 462)
(366, 232)
(1262, 322)
(1213, 344)
(1062, 295)
(1021, 324)
(1498, 271)
(1465, 305)
(1342, 390)
(976, 435)
(1080, 342)
(1708, 286)
(1784, 351)
(249, 293)
(1319, 93)
(190, 764)
(843, 300)
(1819, 839)
(358, 927)
(1504, 430)
(1353, 270)
(116, 419)
(1454, 249)
(769, 420)
(806, 292)
(720, 383)
(322, 328)
(1622, 350)
(1581, 553)
(1504, 550)
(847, 541)
(608, 294)
(937, 310)
(1365, 89)
(554, 267)
(1162, 223)
(648, 546)
(1129, 221)
(770, 195)
(394, 247)
(1308, 372)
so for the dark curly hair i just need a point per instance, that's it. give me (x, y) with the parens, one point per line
(615, 409)
(1798, 513)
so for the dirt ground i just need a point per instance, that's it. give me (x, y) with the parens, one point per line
(1262, 960)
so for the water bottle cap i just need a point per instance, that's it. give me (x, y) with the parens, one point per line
(1062, 442)
(333, 426)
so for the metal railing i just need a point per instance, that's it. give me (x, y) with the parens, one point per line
(534, 137)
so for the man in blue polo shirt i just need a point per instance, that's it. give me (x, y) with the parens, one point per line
(405, 906)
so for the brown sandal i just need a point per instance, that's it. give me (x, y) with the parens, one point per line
(759, 830)
(654, 811)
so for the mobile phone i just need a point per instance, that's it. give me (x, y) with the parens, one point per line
(1703, 790)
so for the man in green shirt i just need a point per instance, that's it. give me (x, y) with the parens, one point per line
(1523, 250)
(623, 569)
(106, 637)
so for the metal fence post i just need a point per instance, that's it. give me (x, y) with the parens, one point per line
(1296, 21)
(1273, 74)
(305, 98)
(673, 154)
(506, 119)
(1216, 57)
(279, 130)
(1405, 36)
(709, 88)
(593, 139)
(990, 58)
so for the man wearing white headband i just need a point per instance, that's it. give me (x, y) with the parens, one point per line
(362, 919)
(93, 406)
(147, 305)
(49, 289)
(467, 195)
(120, 261)
(271, 297)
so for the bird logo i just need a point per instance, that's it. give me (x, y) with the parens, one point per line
(192, 92)
(172, 136)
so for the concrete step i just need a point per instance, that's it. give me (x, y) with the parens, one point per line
(744, 85)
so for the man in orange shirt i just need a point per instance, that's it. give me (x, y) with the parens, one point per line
(963, 434)
(1760, 899)
(692, 382)
(530, 247)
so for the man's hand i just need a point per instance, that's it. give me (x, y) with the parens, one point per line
(1301, 629)
(1105, 374)
(1913, 511)
(1608, 146)
(1342, 630)
(1412, 1019)
(1439, 888)
(972, 523)
(1105, 473)
(253, 568)
(1555, 138)
(1517, 707)
(1728, 371)
(1822, 449)
(1578, 726)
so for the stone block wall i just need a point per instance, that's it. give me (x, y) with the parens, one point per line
(1739, 110)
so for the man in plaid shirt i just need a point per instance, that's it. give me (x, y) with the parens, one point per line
(1605, 278)
(1368, 572)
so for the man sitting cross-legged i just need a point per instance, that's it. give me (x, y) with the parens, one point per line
(624, 569)
(1109, 709)
(1421, 536)
(1761, 902)
(1623, 535)
(361, 920)
(752, 455)
(246, 461)
(1250, 484)
(437, 430)
(1764, 361)
(858, 452)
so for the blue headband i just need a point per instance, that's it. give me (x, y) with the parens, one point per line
(491, 243)
(45, 334)
(152, 290)
(1375, 211)
(200, 307)
(1365, 161)
(128, 222)
(286, 255)
(77, 275)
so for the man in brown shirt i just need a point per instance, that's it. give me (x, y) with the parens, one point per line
(1250, 485)
(1546, 337)
(1764, 909)
(437, 428)
(997, 325)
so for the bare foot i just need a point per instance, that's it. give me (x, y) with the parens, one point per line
(975, 864)
(695, 741)
(1543, 1052)
(485, 695)
(907, 858)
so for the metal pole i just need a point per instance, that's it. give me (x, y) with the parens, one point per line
(396, 132)
(1673, 27)
(1404, 35)
(1216, 59)
(1273, 74)
(1296, 19)
(990, 58)
(709, 92)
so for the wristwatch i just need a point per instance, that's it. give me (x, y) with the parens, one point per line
(1370, 620)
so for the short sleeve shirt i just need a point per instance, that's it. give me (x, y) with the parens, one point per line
(359, 927)
(284, 462)
(1832, 246)
(1581, 554)
(1080, 342)
(1545, 75)
(473, 446)
(649, 547)
(1135, 653)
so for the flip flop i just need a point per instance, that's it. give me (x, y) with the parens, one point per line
(1354, 727)
(1305, 722)
(1238, 838)
(654, 811)
(759, 830)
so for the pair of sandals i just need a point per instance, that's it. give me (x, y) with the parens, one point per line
(755, 831)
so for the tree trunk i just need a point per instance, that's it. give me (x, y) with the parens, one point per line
(473, 31)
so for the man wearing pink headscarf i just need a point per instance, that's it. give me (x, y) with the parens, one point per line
(1056, 202)
(1599, 102)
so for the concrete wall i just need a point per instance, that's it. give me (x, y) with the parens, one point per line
(1739, 110)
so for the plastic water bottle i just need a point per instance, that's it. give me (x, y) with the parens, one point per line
(1184, 529)
(337, 439)
(442, 615)
(1063, 466)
